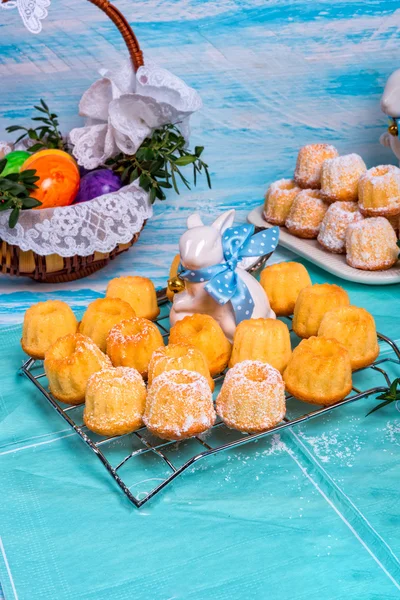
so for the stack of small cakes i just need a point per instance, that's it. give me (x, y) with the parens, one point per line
(336, 200)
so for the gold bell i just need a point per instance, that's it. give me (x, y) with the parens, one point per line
(393, 129)
(176, 285)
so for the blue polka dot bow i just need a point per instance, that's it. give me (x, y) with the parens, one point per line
(223, 282)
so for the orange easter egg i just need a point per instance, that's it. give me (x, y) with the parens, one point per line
(59, 179)
(48, 152)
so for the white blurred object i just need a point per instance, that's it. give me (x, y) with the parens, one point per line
(32, 12)
(124, 107)
(390, 105)
(5, 148)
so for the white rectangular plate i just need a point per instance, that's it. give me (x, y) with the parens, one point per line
(333, 263)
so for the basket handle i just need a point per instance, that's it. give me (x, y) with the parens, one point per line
(124, 28)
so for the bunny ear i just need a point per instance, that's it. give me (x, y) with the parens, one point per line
(224, 221)
(194, 220)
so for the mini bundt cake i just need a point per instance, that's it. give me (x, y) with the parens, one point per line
(371, 245)
(309, 163)
(279, 199)
(332, 235)
(179, 405)
(131, 343)
(395, 223)
(115, 401)
(306, 214)
(379, 191)
(265, 340)
(354, 328)
(69, 363)
(340, 176)
(178, 357)
(139, 292)
(252, 397)
(173, 272)
(319, 371)
(282, 283)
(313, 302)
(44, 323)
(101, 316)
(203, 332)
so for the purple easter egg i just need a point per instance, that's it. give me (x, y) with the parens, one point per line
(97, 183)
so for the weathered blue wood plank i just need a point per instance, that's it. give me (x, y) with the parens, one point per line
(273, 76)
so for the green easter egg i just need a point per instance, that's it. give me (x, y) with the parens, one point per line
(15, 160)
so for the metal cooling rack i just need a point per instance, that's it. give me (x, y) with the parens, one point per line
(226, 438)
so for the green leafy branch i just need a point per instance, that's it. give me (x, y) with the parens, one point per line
(392, 394)
(157, 163)
(46, 135)
(15, 190)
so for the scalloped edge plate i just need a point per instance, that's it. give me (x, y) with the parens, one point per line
(333, 263)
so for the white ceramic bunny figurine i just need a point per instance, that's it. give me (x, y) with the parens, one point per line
(390, 105)
(206, 258)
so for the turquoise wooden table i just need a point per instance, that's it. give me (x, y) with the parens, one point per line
(309, 514)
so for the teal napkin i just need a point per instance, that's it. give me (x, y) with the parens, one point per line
(311, 513)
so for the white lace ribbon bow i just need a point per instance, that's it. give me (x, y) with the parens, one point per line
(123, 108)
(32, 12)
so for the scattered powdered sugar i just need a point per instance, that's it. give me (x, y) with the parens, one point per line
(121, 377)
(252, 397)
(379, 189)
(340, 176)
(392, 432)
(338, 217)
(336, 444)
(306, 212)
(371, 244)
(134, 330)
(179, 402)
(309, 163)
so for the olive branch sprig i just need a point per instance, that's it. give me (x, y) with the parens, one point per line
(158, 163)
(392, 394)
(15, 190)
(46, 135)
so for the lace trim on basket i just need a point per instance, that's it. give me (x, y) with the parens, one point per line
(81, 229)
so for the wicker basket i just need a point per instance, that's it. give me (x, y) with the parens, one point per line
(54, 268)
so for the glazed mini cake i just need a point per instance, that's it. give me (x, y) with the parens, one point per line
(139, 292)
(371, 245)
(282, 283)
(332, 235)
(319, 371)
(309, 163)
(312, 303)
(306, 214)
(44, 324)
(340, 176)
(379, 191)
(353, 327)
(279, 199)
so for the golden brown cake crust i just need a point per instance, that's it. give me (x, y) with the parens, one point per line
(203, 332)
(282, 283)
(179, 405)
(177, 357)
(44, 323)
(264, 340)
(319, 371)
(252, 397)
(309, 162)
(137, 291)
(69, 363)
(115, 401)
(132, 342)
